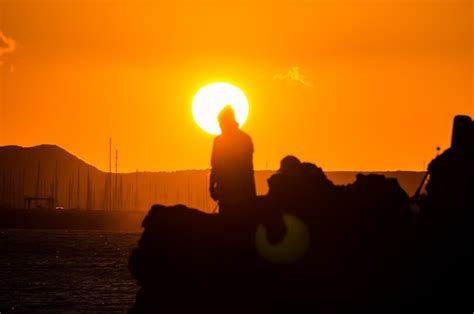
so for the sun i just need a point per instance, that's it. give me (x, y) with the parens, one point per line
(209, 101)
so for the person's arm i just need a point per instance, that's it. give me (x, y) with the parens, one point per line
(253, 187)
(212, 186)
(212, 178)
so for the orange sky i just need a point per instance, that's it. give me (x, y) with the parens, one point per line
(374, 84)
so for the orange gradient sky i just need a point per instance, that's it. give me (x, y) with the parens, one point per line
(346, 84)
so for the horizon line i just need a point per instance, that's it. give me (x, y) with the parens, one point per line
(198, 169)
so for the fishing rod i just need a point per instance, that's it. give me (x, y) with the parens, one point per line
(417, 194)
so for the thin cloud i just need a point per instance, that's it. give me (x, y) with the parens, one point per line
(7, 45)
(293, 75)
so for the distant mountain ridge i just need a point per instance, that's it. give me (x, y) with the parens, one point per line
(49, 170)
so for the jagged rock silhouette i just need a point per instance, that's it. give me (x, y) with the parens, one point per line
(368, 250)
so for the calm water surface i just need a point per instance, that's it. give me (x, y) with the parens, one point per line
(65, 271)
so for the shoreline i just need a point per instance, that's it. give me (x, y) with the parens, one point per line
(85, 219)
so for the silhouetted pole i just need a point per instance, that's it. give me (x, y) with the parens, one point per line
(70, 191)
(189, 192)
(129, 196)
(89, 194)
(56, 183)
(136, 190)
(110, 175)
(2, 188)
(116, 178)
(8, 184)
(105, 198)
(51, 188)
(206, 193)
(21, 188)
(78, 189)
(38, 173)
(417, 194)
(165, 195)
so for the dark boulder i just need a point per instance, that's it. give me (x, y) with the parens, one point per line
(325, 248)
(186, 257)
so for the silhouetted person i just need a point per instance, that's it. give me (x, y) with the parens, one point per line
(451, 183)
(232, 181)
(445, 237)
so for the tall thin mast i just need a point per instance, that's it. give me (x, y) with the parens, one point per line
(136, 191)
(116, 179)
(89, 193)
(78, 191)
(38, 173)
(110, 175)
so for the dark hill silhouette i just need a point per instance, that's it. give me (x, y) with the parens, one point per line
(356, 248)
(135, 191)
(48, 171)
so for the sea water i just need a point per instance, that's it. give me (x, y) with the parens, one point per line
(65, 271)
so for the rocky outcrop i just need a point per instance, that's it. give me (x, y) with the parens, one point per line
(188, 257)
(355, 248)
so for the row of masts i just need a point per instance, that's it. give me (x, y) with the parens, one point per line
(82, 189)
(16, 187)
(115, 199)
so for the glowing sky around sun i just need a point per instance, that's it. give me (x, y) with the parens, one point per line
(212, 98)
(346, 84)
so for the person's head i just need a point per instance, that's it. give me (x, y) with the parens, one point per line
(227, 120)
(289, 163)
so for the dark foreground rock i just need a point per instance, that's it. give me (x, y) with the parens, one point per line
(363, 247)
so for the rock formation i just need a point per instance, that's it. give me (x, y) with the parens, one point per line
(362, 247)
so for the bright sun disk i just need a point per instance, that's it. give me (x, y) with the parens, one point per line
(210, 100)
